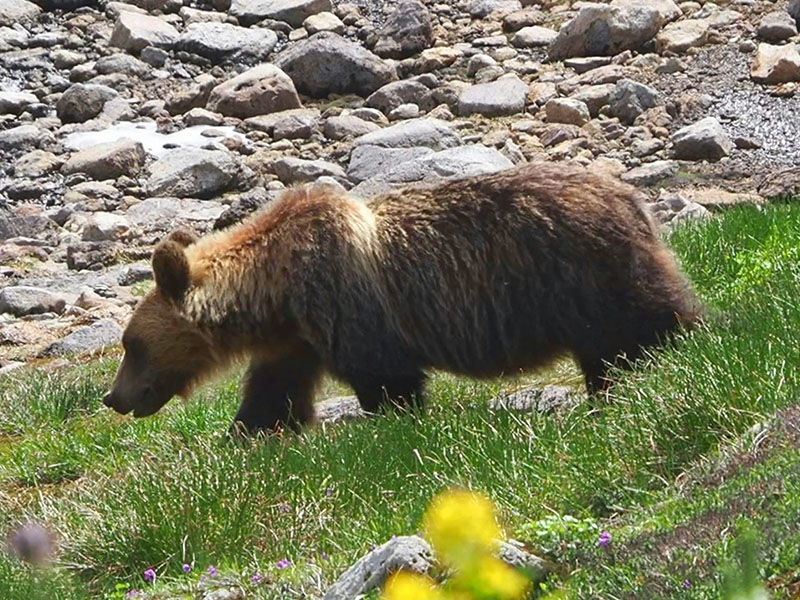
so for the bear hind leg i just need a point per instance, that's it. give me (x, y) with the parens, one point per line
(279, 393)
(403, 391)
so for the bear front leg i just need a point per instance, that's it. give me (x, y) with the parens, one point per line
(279, 393)
(376, 392)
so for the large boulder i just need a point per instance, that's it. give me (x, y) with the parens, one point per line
(704, 140)
(192, 173)
(83, 101)
(327, 63)
(293, 12)
(107, 161)
(218, 41)
(13, 103)
(794, 10)
(83, 340)
(408, 30)
(605, 30)
(15, 11)
(258, 91)
(133, 32)
(20, 300)
(776, 64)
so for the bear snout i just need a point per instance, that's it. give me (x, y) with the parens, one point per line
(112, 402)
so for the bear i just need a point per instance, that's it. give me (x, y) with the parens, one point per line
(480, 276)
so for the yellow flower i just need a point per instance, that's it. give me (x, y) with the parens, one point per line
(410, 586)
(497, 580)
(461, 525)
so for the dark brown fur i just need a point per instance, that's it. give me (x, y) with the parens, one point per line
(481, 276)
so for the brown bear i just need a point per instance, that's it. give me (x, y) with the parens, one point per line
(481, 276)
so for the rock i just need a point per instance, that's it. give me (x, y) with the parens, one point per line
(404, 111)
(536, 568)
(36, 226)
(14, 103)
(17, 11)
(82, 102)
(430, 133)
(506, 96)
(20, 300)
(347, 126)
(595, 97)
(37, 163)
(91, 255)
(285, 120)
(534, 36)
(407, 31)
(794, 10)
(23, 137)
(192, 97)
(327, 63)
(218, 41)
(335, 410)
(122, 63)
(104, 226)
(777, 26)
(704, 140)
(463, 161)
(159, 215)
(133, 32)
(630, 99)
(534, 399)
(480, 9)
(91, 338)
(776, 64)
(650, 173)
(408, 553)
(240, 209)
(433, 59)
(368, 161)
(135, 273)
(293, 12)
(679, 37)
(107, 161)
(261, 90)
(567, 110)
(604, 30)
(393, 94)
(192, 173)
(323, 21)
(201, 116)
(784, 183)
(292, 170)
(155, 57)
(668, 10)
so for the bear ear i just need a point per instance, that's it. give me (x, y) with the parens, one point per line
(171, 269)
(183, 237)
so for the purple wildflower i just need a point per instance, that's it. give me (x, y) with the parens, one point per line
(329, 491)
(687, 583)
(324, 556)
(149, 575)
(283, 563)
(186, 567)
(255, 579)
(605, 539)
(212, 571)
(284, 508)
(133, 593)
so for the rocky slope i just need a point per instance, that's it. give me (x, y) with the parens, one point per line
(120, 121)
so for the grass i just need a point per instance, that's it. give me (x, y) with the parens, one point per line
(125, 495)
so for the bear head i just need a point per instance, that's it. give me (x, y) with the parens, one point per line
(165, 352)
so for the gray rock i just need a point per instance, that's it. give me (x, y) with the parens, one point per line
(37, 163)
(261, 90)
(668, 10)
(393, 94)
(192, 173)
(155, 57)
(81, 102)
(218, 41)
(533, 36)
(327, 63)
(567, 110)
(20, 300)
(536, 568)
(267, 123)
(776, 64)
(133, 32)
(794, 10)
(293, 12)
(600, 29)
(457, 162)
(430, 133)
(158, 215)
(91, 338)
(347, 126)
(122, 63)
(777, 26)
(323, 21)
(367, 160)
(595, 97)
(680, 36)
(22, 137)
(483, 8)
(294, 127)
(14, 103)
(630, 99)
(39, 227)
(104, 227)
(292, 170)
(534, 399)
(135, 273)
(408, 553)
(16, 11)
(650, 173)
(405, 111)
(704, 140)
(334, 410)
(107, 161)
(408, 30)
(506, 96)
(91, 255)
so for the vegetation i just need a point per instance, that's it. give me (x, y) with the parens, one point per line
(172, 498)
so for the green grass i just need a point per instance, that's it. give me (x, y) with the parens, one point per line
(125, 495)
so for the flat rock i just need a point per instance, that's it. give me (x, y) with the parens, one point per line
(347, 126)
(14, 103)
(192, 173)
(293, 12)
(22, 137)
(668, 10)
(777, 26)
(334, 410)
(327, 63)
(83, 101)
(20, 300)
(595, 97)
(784, 183)
(100, 334)
(292, 170)
(776, 64)
(407, 31)
(37, 163)
(368, 161)
(430, 133)
(268, 123)
(107, 161)
(650, 173)
(533, 37)
(324, 21)
(680, 36)
(393, 94)
(480, 9)
(407, 553)
(218, 41)
(794, 10)
(567, 110)
(16, 11)
(704, 140)
(604, 30)
(535, 399)
(261, 90)
(104, 226)
(133, 32)
(505, 96)
(159, 215)
(630, 99)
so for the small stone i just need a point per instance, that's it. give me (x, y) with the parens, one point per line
(393, 94)
(135, 273)
(430, 133)
(201, 116)
(567, 110)
(261, 90)
(534, 399)
(347, 126)
(680, 36)
(367, 161)
(777, 26)
(506, 96)
(16, 11)
(404, 111)
(292, 170)
(91, 338)
(532, 37)
(81, 102)
(122, 63)
(155, 57)
(324, 21)
(107, 161)
(36, 163)
(133, 32)
(407, 31)
(704, 140)
(293, 12)
(650, 173)
(104, 226)
(21, 138)
(23, 300)
(14, 103)
(776, 64)
(630, 99)
(296, 126)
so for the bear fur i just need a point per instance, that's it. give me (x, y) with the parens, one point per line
(480, 276)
